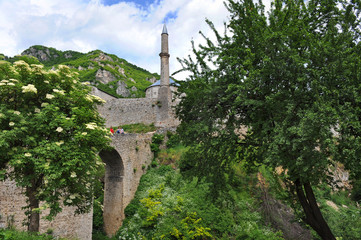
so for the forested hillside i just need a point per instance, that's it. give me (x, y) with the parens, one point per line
(107, 72)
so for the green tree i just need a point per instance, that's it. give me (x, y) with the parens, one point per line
(290, 76)
(50, 134)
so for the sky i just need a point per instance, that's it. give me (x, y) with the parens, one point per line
(130, 29)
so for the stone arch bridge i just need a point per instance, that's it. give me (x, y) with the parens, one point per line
(125, 164)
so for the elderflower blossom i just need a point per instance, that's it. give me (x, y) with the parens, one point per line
(27, 154)
(85, 83)
(17, 112)
(11, 124)
(72, 196)
(98, 99)
(46, 81)
(59, 129)
(29, 88)
(4, 81)
(44, 104)
(87, 97)
(2, 84)
(91, 125)
(22, 63)
(84, 133)
(69, 201)
(62, 92)
(73, 175)
(49, 96)
(11, 84)
(2, 115)
(37, 110)
(13, 80)
(59, 143)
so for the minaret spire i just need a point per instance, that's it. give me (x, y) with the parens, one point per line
(164, 58)
(164, 93)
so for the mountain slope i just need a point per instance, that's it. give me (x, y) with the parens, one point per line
(107, 72)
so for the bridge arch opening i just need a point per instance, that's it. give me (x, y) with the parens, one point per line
(113, 191)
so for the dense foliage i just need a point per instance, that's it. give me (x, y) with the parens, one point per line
(167, 206)
(9, 234)
(290, 77)
(50, 135)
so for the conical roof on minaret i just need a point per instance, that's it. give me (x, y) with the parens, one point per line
(165, 29)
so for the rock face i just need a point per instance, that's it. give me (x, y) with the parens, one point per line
(42, 54)
(103, 57)
(122, 89)
(104, 76)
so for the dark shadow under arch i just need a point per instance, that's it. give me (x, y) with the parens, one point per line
(113, 191)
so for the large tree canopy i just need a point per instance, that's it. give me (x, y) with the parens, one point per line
(290, 76)
(50, 134)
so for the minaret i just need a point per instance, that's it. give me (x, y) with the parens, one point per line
(164, 58)
(164, 93)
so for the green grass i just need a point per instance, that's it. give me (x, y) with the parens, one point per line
(10, 234)
(138, 128)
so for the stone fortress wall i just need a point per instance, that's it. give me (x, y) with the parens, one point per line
(66, 224)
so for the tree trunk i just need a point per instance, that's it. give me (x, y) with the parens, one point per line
(34, 216)
(313, 214)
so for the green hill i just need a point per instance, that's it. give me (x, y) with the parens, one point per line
(107, 72)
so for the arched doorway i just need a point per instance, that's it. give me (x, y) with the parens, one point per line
(113, 191)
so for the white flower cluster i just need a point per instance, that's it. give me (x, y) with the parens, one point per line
(23, 64)
(37, 110)
(29, 88)
(7, 82)
(11, 124)
(98, 99)
(62, 92)
(44, 104)
(27, 154)
(89, 98)
(59, 129)
(16, 112)
(49, 96)
(91, 126)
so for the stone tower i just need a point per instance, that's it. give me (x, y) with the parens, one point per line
(164, 58)
(164, 93)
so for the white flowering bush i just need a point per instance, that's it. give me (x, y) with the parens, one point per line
(50, 134)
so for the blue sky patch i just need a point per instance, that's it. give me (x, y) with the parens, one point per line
(143, 3)
(171, 16)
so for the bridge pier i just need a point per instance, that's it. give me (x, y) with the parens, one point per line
(113, 213)
(124, 166)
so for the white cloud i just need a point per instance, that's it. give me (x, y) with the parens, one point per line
(123, 29)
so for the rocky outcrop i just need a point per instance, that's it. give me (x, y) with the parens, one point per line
(103, 57)
(152, 80)
(68, 55)
(122, 89)
(104, 76)
(42, 54)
